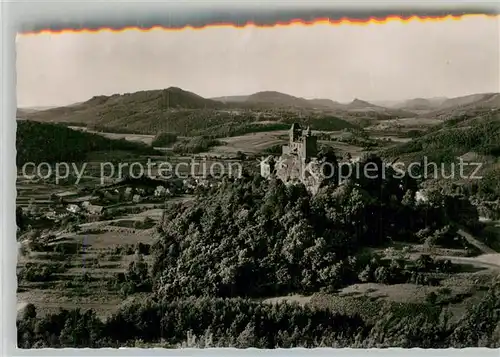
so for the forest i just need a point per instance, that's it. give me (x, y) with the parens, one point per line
(62, 144)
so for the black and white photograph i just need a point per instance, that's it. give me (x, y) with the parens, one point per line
(326, 182)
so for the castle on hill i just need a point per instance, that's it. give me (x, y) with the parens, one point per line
(298, 162)
(302, 143)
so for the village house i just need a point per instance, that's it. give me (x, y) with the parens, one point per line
(161, 191)
(190, 183)
(113, 195)
(127, 194)
(136, 198)
(54, 215)
(95, 209)
(73, 208)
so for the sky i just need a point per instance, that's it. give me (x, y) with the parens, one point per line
(391, 61)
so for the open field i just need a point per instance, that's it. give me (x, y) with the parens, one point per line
(250, 143)
(405, 124)
(256, 143)
(143, 138)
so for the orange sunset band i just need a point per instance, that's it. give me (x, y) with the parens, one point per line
(292, 22)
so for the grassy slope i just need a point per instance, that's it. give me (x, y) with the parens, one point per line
(454, 138)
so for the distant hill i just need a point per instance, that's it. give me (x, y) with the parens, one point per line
(360, 104)
(33, 109)
(476, 99)
(231, 99)
(363, 109)
(356, 109)
(267, 99)
(278, 99)
(188, 114)
(207, 122)
(136, 105)
(326, 103)
(184, 113)
(171, 97)
(45, 142)
(170, 110)
(415, 104)
(470, 105)
(422, 104)
(441, 106)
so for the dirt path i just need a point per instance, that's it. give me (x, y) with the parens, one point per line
(475, 242)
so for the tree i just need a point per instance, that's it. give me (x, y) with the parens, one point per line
(431, 298)
(29, 311)
(81, 329)
(240, 155)
(479, 325)
(20, 218)
(137, 276)
(247, 338)
(409, 199)
(366, 275)
(164, 139)
(381, 275)
(424, 263)
(330, 164)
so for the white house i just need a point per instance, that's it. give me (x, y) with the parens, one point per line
(73, 208)
(420, 196)
(160, 191)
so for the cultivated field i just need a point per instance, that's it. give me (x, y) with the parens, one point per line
(86, 259)
(250, 143)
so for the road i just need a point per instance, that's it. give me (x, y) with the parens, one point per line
(488, 261)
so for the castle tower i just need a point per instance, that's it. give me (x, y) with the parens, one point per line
(302, 143)
(310, 144)
(295, 133)
(291, 166)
